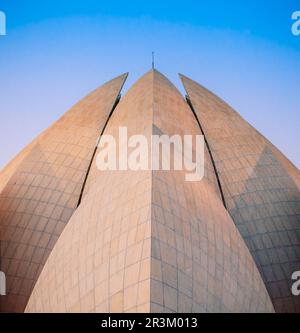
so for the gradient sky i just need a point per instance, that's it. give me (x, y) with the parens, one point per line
(55, 52)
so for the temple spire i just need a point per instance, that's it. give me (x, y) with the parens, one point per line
(152, 59)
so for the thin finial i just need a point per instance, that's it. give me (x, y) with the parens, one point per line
(152, 60)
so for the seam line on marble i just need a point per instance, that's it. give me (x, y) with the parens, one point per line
(209, 150)
(117, 100)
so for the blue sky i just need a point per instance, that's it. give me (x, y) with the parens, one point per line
(55, 52)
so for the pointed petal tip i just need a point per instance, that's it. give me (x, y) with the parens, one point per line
(184, 77)
(123, 75)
